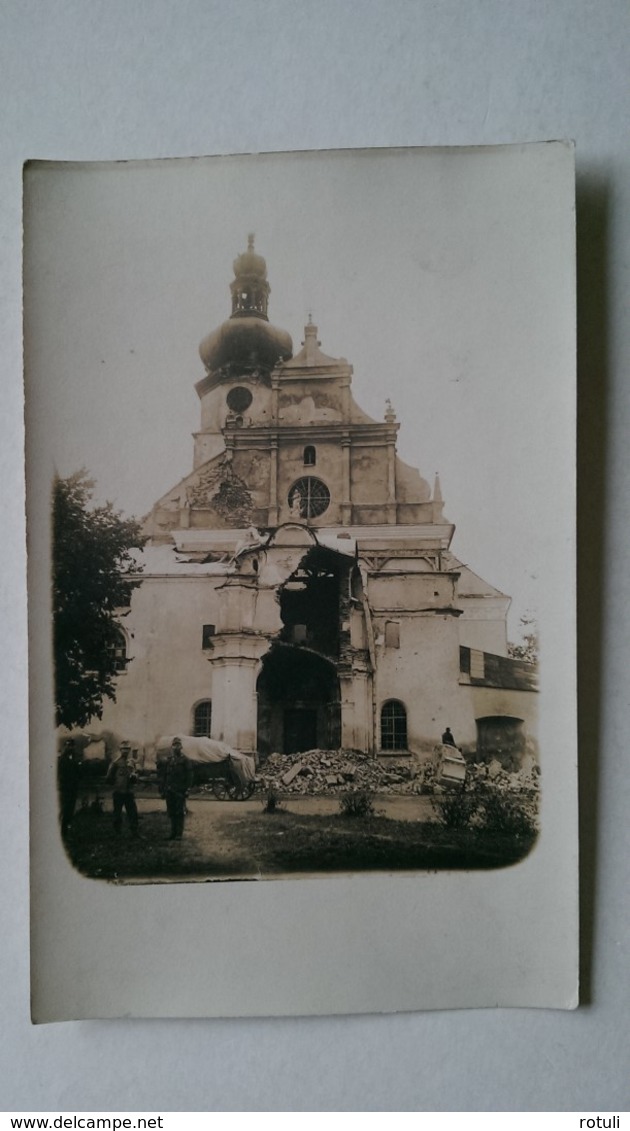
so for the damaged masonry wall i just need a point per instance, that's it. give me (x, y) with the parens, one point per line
(284, 636)
(306, 644)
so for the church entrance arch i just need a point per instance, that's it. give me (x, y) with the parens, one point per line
(299, 702)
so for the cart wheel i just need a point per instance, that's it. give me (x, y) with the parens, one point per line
(243, 792)
(222, 790)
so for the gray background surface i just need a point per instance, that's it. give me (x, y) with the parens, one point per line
(87, 80)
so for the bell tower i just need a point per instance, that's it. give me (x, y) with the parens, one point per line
(250, 289)
(246, 343)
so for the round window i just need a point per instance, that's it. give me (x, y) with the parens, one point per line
(239, 399)
(308, 497)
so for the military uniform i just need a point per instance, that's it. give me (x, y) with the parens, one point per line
(177, 782)
(121, 776)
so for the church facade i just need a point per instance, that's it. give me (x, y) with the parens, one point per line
(298, 588)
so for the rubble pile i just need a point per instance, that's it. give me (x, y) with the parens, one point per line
(492, 773)
(338, 771)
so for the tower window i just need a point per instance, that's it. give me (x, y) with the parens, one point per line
(202, 719)
(392, 634)
(309, 497)
(393, 726)
(207, 634)
(310, 456)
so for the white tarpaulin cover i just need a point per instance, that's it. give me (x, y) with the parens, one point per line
(208, 750)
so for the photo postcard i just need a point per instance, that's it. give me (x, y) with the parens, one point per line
(301, 535)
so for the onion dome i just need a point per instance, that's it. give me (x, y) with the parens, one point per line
(247, 340)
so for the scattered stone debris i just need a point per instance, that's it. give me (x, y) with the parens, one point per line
(337, 771)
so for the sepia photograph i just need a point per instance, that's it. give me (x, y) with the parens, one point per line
(292, 427)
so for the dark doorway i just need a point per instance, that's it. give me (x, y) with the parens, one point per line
(300, 730)
(501, 737)
(299, 702)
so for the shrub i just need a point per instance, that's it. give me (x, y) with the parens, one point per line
(456, 809)
(503, 812)
(271, 802)
(357, 803)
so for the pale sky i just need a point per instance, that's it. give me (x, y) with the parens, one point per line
(444, 277)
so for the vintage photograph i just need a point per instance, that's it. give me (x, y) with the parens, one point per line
(288, 421)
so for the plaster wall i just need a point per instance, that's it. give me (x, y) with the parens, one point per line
(488, 635)
(215, 410)
(489, 701)
(368, 474)
(252, 466)
(207, 446)
(168, 671)
(410, 486)
(410, 591)
(306, 402)
(423, 673)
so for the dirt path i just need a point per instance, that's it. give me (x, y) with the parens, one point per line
(222, 839)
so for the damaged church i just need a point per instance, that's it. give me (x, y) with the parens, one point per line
(298, 589)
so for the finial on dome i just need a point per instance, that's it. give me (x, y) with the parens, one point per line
(311, 343)
(437, 489)
(390, 414)
(250, 241)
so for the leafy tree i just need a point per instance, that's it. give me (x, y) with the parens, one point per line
(94, 575)
(528, 648)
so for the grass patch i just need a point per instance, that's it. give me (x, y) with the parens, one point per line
(225, 843)
(333, 844)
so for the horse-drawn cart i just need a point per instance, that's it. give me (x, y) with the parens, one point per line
(224, 781)
(227, 773)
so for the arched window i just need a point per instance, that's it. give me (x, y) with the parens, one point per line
(393, 726)
(202, 719)
(118, 652)
(310, 456)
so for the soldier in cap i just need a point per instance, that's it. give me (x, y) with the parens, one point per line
(122, 778)
(177, 782)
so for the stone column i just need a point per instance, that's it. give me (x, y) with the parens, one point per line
(234, 701)
(356, 711)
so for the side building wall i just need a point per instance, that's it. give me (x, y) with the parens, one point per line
(413, 638)
(168, 671)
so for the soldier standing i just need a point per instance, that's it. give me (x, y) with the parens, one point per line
(177, 782)
(121, 776)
